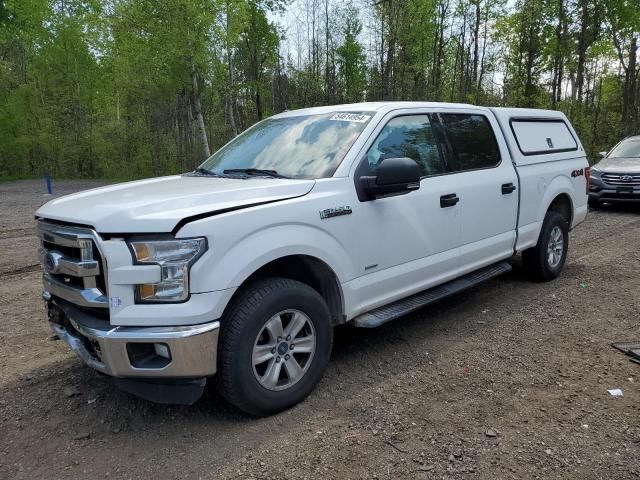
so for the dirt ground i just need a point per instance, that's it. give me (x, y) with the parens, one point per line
(507, 381)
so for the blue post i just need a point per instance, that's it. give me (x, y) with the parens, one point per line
(47, 180)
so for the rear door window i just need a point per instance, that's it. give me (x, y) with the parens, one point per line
(472, 142)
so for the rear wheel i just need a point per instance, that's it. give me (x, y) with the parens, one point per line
(546, 260)
(275, 345)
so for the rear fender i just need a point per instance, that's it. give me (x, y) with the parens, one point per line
(559, 185)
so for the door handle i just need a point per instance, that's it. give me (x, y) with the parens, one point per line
(448, 200)
(508, 188)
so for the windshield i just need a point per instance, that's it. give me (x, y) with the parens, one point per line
(308, 146)
(626, 148)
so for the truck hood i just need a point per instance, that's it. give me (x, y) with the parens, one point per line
(157, 205)
(619, 165)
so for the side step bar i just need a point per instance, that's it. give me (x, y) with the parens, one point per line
(386, 313)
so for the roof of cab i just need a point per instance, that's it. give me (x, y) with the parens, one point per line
(373, 107)
(386, 106)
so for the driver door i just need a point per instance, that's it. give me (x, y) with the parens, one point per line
(407, 243)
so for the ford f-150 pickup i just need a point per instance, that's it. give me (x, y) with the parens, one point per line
(312, 218)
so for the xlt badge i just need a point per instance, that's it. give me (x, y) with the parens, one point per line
(335, 212)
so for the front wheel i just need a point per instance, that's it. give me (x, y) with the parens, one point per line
(275, 345)
(546, 260)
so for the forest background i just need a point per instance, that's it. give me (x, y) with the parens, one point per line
(124, 89)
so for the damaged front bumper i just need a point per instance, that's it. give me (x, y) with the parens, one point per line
(143, 360)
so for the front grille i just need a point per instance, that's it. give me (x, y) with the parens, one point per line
(621, 179)
(74, 269)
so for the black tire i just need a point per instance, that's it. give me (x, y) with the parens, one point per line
(240, 327)
(536, 259)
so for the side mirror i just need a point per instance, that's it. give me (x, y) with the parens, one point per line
(395, 176)
(602, 154)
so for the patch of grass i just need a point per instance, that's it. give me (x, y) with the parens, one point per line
(13, 178)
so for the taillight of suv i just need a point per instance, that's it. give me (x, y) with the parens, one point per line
(587, 175)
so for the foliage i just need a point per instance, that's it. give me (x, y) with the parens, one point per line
(134, 88)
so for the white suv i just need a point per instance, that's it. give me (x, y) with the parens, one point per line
(312, 218)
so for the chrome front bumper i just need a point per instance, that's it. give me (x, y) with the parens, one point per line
(120, 351)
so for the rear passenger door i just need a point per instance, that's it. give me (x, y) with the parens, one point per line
(486, 184)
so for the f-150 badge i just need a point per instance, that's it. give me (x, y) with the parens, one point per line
(335, 212)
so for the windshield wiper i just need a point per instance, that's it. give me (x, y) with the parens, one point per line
(255, 172)
(204, 171)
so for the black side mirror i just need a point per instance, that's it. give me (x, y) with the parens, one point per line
(396, 176)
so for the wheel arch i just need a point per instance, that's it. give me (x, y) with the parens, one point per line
(562, 204)
(306, 269)
(558, 196)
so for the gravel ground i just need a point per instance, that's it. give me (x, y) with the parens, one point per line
(509, 380)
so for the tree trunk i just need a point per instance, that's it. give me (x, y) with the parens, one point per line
(326, 52)
(387, 81)
(582, 48)
(439, 50)
(484, 55)
(629, 112)
(476, 42)
(556, 82)
(258, 103)
(197, 106)
(117, 107)
(230, 96)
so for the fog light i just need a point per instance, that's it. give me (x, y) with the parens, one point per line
(149, 355)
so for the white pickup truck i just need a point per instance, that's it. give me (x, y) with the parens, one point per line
(312, 218)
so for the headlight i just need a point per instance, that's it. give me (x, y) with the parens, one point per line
(175, 257)
(595, 172)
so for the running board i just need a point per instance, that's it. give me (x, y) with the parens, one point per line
(386, 313)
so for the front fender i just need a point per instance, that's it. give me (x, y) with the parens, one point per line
(229, 269)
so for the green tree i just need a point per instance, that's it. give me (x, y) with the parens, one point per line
(351, 58)
(134, 88)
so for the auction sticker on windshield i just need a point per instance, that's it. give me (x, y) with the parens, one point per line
(350, 117)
